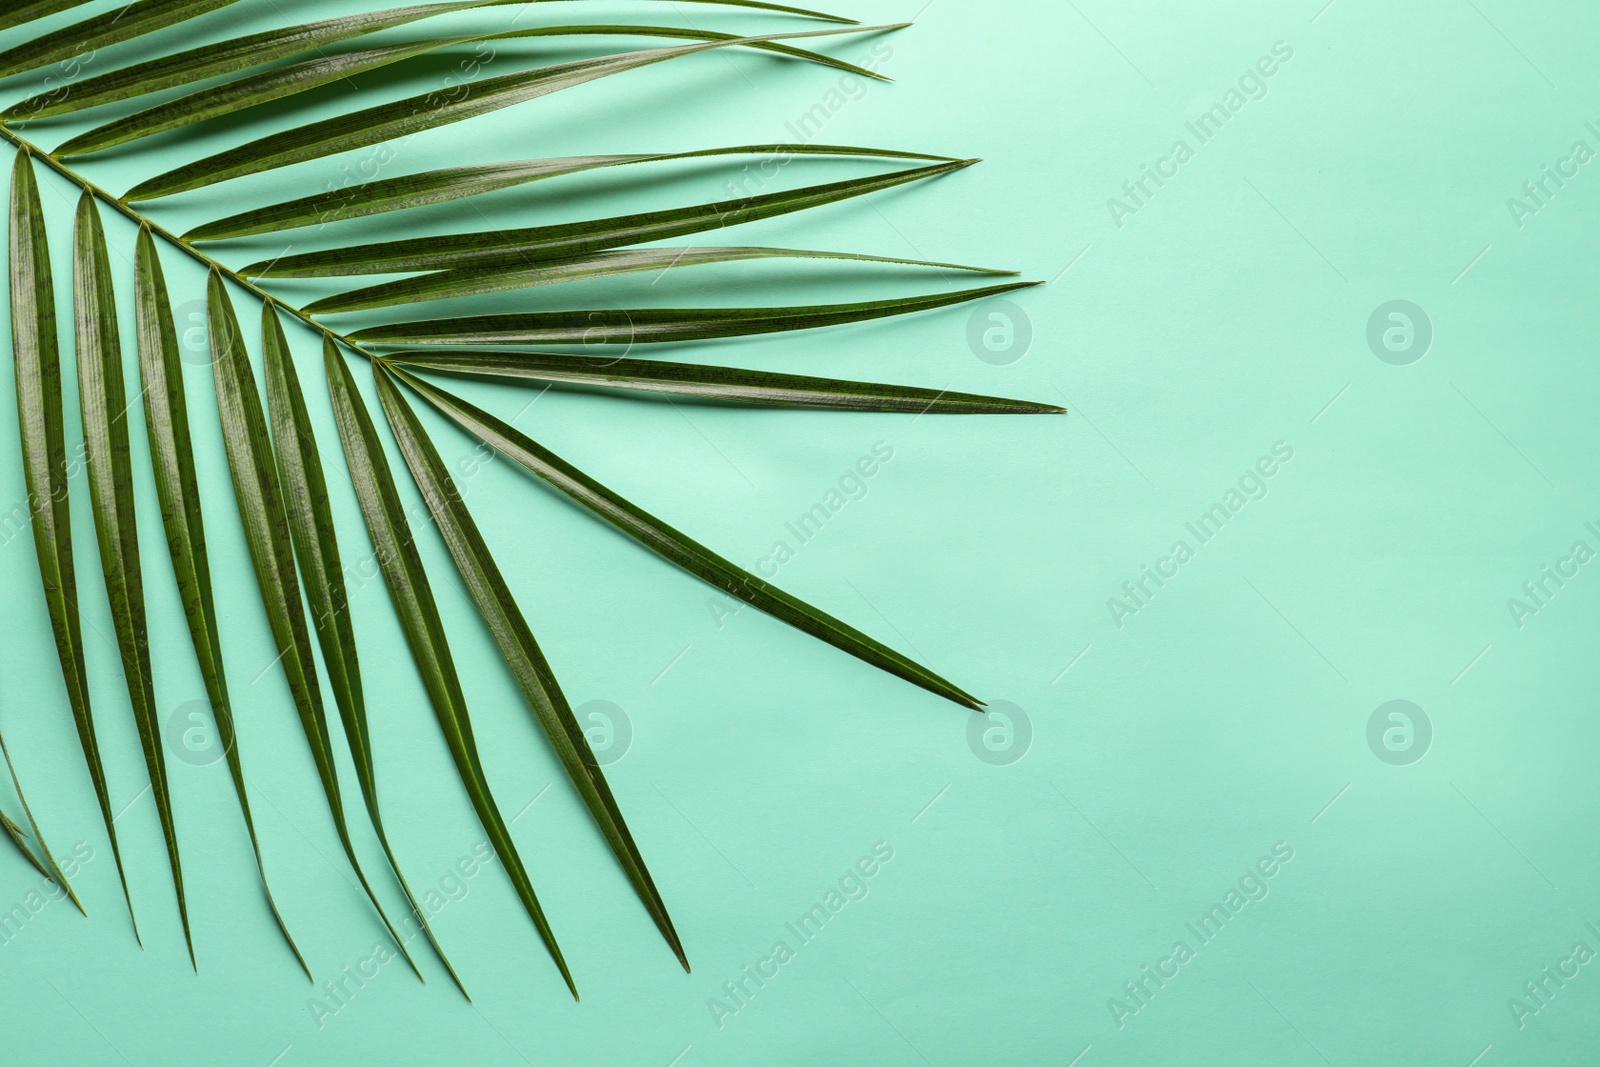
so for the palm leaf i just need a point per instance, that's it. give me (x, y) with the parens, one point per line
(402, 118)
(104, 403)
(653, 325)
(450, 284)
(454, 183)
(397, 557)
(676, 547)
(172, 457)
(272, 455)
(730, 384)
(511, 633)
(317, 548)
(261, 510)
(44, 465)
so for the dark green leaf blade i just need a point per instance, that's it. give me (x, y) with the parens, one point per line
(517, 644)
(731, 384)
(278, 83)
(261, 511)
(103, 400)
(654, 325)
(676, 547)
(450, 284)
(397, 556)
(515, 247)
(26, 12)
(454, 183)
(54, 872)
(19, 837)
(44, 464)
(424, 111)
(97, 32)
(172, 456)
(317, 549)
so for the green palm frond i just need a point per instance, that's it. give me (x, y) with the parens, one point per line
(139, 104)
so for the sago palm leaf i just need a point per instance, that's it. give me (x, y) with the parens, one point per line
(275, 463)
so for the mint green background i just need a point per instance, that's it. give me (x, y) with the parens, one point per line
(1167, 756)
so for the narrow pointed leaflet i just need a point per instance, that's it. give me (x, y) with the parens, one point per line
(54, 872)
(172, 457)
(477, 281)
(261, 510)
(19, 838)
(675, 547)
(629, 326)
(517, 644)
(396, 552)
(103, 400)
(317, 549)
(44, 467)
(730, 384)
(514, 247)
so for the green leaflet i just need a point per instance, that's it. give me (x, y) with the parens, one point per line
(98, 31)
(317, 549)
(172, 457)
(44, 467)
(424, 111)
(36, 10)
(454, 183)
(19, 838)
(478, 281)
(104, 403)
(397, 556)
(675, 547)
(511, 633)
(15, 832)
(266, 526)
(653, 325)
(241, 53)
(715, 383)
(517, 247)
(278, 83)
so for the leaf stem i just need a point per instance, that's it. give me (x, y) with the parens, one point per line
(121, 206)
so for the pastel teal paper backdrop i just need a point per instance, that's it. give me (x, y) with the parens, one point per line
(1427, 860)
